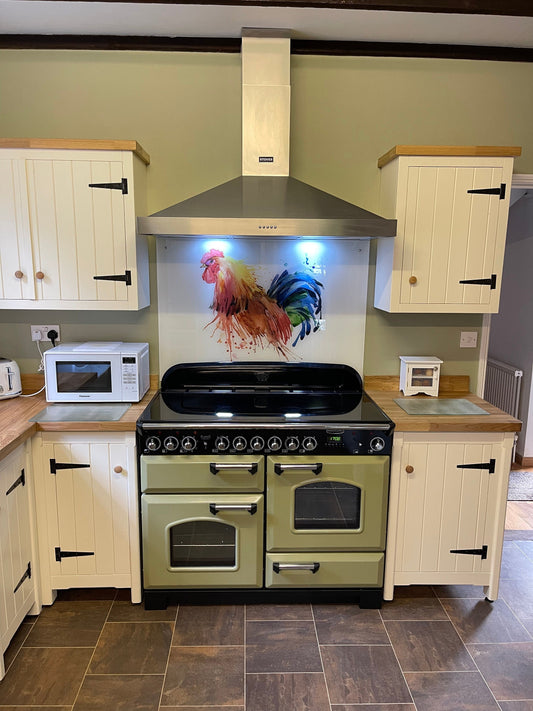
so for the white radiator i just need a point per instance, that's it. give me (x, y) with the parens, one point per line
(502, 386)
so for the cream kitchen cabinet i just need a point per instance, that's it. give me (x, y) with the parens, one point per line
(448, 498)
(68, 225)
(87, 511)
(18, 568)
(451, 210)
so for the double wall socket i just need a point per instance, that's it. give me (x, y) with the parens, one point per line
(38, 333)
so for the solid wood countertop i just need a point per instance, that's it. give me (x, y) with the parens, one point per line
(465, 151)
(15, 414)
(78, 144)
(385, 389)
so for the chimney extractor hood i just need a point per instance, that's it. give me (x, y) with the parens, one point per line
(265, 200)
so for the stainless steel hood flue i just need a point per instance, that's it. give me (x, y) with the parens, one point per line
(265, 200)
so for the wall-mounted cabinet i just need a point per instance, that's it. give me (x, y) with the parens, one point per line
(68, 225)
(87, 511)
(451, 204)
(447, 509)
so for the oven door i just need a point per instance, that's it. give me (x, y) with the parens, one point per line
(204, 540)
(330, 503)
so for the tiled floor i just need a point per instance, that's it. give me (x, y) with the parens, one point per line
(443, 648)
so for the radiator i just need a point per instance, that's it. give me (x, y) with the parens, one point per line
(502, 386)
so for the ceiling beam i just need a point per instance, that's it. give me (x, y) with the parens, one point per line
(233, 45)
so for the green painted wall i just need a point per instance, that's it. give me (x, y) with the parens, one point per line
(184, 109)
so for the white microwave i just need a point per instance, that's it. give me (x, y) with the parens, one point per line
(97, 371)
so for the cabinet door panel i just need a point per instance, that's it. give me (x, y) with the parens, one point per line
(15, 247)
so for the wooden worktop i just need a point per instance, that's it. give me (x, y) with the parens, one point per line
(15, 414)
(459, 151)
(385, 389)
(78, 144)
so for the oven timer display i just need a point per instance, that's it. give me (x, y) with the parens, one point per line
(334, 439)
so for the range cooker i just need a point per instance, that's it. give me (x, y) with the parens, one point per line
(263, 481)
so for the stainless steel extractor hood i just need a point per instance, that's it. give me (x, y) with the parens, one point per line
(265, 200)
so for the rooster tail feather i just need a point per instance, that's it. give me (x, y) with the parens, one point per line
(300, 295)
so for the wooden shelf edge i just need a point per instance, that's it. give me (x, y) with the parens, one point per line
(94, 144)
(479, 151)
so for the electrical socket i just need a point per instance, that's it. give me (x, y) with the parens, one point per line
(38, 333)
(468, 339)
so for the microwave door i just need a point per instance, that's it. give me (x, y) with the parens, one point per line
(91, 379)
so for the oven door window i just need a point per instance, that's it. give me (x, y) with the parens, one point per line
(200, 544)
(83, 376)
(327, 505)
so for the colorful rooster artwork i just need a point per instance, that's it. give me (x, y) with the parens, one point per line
(248, 317)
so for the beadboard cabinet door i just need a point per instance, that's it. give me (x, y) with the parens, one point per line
(18, 567)
(448, 254)
(447, 509)
(87, 512)
(72, 215)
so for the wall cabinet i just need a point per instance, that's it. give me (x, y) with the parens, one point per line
(447, 509)
(87, 511)
(18, 567)
(68, 228)
(447, 256)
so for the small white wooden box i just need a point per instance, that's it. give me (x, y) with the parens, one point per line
(420, 374)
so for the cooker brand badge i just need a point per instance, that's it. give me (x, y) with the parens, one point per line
(266, 159)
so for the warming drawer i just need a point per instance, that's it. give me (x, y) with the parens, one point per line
(327, 570)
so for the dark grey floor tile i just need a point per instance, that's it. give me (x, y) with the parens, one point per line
(199, 676)
(453, 591)
(286, 692)
(518, 594)
(516, 705)
(279, 612)
(209, 625)
(120, 693)
(45, 677)
(413, 608)
(87, 594)
(526, 547)
(515, 563)
(507, 668)
(16, 643)
(483, 622)
(196, 708)
(286, 646)
(429, 646)
(450, 691)
(38, 708)
(520, 535)
(124, 611)
(363, 675)
(132, 648)
(373, 707)
(348, 624)
(528, 624)
(69, 624)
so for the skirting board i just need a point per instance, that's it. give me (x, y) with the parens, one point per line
(525, 462)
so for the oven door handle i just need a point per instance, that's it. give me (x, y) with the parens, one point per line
(216, 467)
(215, 508)
(280, 468)
(279, 567)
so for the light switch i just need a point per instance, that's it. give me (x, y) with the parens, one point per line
(468, 339)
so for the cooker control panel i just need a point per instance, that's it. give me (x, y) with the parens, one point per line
(342, 441)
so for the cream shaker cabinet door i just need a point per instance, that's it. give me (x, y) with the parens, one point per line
(87, 509)
(448, 498)
(452, 219)
(73, 212)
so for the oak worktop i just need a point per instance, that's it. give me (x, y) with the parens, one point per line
(15, 414)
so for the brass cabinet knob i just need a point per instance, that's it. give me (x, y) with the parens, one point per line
(412, 280)
(409, 469)
(19, 274)
(39, 275)
(117, 469)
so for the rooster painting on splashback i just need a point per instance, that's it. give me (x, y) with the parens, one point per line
(246, 316)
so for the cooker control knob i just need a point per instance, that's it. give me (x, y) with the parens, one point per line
(257, 443)
(239, 443)
(377, 444)
(153, 444)
(222, 443)
(170, 443)
(188, 443)
(274, 443)
(309, 444)
(292, 443)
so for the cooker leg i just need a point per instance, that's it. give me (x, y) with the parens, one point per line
(155, 600)
(370, 599)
